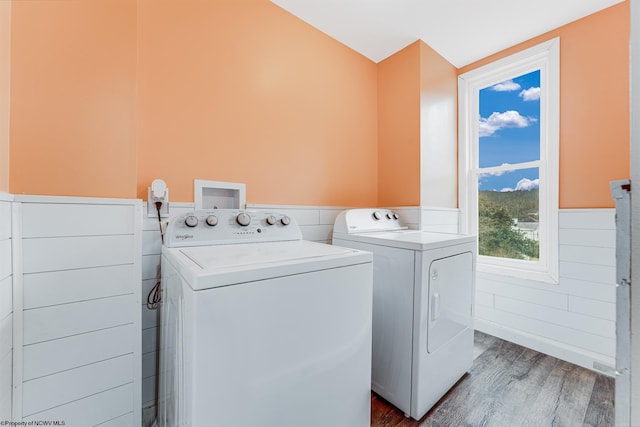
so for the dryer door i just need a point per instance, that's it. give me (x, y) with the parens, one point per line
(450, 298)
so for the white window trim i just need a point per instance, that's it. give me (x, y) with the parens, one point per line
(546, 58)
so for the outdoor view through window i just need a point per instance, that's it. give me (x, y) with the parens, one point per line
(509, 168)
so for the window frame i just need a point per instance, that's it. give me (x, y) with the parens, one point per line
(546, 58)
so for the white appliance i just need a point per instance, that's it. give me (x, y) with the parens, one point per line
(262, 328)
(423, 297)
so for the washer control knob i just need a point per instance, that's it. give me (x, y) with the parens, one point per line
(212, 220)
(243, 219)
(396, 216)
(191, 221)
(271, 220)
(377, 215)
(285, 220)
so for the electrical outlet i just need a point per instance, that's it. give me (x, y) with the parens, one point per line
(152, 211)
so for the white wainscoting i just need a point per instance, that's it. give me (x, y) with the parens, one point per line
(6, 308)
(573, 320)
(77, 319)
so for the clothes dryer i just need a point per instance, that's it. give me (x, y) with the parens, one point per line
(423, 302)
(262, 328)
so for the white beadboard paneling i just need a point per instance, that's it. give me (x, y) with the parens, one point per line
(65, 387)
(581, 340)
(61, 287)
(6, 296)
(151, 242)
(591, 272)
(317, 233)
(49, 323)
(5, 386)
(591, 307)
(599, 291)
(149, 340)
(484, 298)
(577, 321)
(602, 219)
(6, 335)
(441, 228)
(150, 318)
(175, 209)
(92, 410)
(5, 220)
(583, 237)
(65, 253)
(148, 391)
(149, 364)
(328, 216)
(75, 219)
(5, 258)
(535, 296)
(434, 216)
(54, 356)
(588, 255)
(124, 420)
(150, 266)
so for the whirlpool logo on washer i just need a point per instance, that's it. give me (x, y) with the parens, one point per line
(184, 236)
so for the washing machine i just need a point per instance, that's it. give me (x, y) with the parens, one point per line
(261, 328)
(423, 302)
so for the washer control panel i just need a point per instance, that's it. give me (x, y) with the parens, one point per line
(367, 220)
(225, 226)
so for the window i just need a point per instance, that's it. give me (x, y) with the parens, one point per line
(508, 162)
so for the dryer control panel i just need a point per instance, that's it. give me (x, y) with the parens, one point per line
(366, 220)
(225, 226)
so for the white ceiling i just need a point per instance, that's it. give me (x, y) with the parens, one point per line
(462, 31)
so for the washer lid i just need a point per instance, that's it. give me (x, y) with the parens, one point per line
(221, 265)
(408, 239)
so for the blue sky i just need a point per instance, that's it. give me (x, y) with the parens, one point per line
(510, 131)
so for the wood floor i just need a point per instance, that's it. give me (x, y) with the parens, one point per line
(508, 386)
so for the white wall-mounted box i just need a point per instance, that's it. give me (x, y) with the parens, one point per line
(219, 195)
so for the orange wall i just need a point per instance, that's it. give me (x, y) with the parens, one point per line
(438, 130)
(73, 69)
(594, 104)
(5, 90)
(242, 91)
(399, 128)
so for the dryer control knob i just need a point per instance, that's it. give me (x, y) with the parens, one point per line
(271, 220)
(388, 216)
(243, 219)
(377, 215)
(191, 221)
(212, 220)
(396, 216)
(285, 220)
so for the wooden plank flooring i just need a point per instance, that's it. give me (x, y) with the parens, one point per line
(509, 385)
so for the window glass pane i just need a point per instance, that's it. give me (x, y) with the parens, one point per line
(508, 214)
(509, 126)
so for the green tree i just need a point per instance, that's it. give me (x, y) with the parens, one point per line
(497, 235)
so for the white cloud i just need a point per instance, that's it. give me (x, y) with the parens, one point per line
(497, 121)
(494, 173)
(506, 86)
(525, 184)
(531, 94)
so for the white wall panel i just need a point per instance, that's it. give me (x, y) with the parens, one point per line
(5, 258)
(6, 295)
(6, 374)
(6, 335)
(148, 391)
(48, 392)
(126, 419)
(317, 233)
(592, 307)
(58, 355)
(5, 220)
(61, 287)
(149, 340)
(484, 298)
(49, 323)
(93, 410)
(151, 242)
(76, 219)
(573, 319)
(150, 267)
(65, 253)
